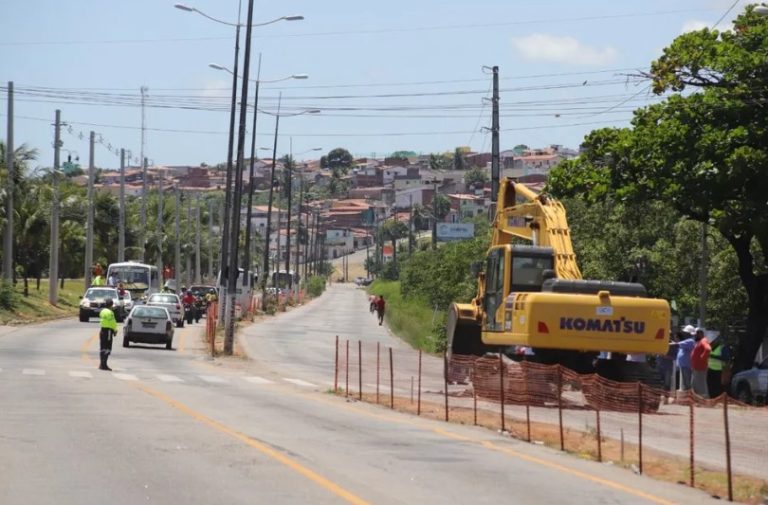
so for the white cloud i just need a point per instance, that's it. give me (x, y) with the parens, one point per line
(693, 25)
(568, 50)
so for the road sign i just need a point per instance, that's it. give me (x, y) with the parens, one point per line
(455, 231)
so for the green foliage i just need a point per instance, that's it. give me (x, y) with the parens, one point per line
(441, 206)
(7, 296)
(403, 154)
(459, 163)
(442, 161)
(409, 318)
(703, 153)
(476, 176)
(316, 285)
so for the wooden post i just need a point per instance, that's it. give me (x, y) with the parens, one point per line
(346, 371)
(560, 404)
(336, 368)
(418, 392)
(727, 447)
(445, 382)
(640, 427)
(360, 369)
(391, 382)
(501, 389)
(378, 367)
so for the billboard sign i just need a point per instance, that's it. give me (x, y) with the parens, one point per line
(455, 231)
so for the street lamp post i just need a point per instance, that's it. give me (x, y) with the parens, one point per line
(249, 212)
(271, 194)
(298, 211)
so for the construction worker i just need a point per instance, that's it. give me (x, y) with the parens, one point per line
(108, 329)
(718, 368)
(98, 281)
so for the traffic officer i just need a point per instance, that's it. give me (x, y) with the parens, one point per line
(108, 329)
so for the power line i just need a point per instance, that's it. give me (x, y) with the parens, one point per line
(549, 20)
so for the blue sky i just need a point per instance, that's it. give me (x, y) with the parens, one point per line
(432, 51)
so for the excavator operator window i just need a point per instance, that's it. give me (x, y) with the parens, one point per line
(528, 272)
(494, 286)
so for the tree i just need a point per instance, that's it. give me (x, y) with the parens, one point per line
(476, 177)
(705, 152)
(403, 154)
(440, 161)
(339, 161)
(393, 230)
(441, 206)
(459, 163)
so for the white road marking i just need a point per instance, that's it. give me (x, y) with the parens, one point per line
(258, 380)
(125, 377)
(78, 373)
(169, 378)
(33, 371)
(300, 382)
(213, 379)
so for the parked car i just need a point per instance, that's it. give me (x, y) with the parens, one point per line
(751, 385)
(170, 302)
(95, 299)
(148, 324)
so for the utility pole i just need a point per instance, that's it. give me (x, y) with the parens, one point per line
(53, 267)
(298, 223)
(229, 330)
(121, 218)
(247, 263)
(494, 142)
(189, 253)
(177, 242)
(289, 178)
(10, 166)
(143, 230)
(434, 216)
(210, 239)
(410, 225)
(197, 243)
(89, 225)
(268, 229)
(160, 222)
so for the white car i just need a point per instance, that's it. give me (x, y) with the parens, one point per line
(752, 385)
(148, 324)
(171, 302)
(95, 299)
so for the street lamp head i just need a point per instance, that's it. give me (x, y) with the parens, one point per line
(299, 76)
(183, 7)
(312, 111)
(293, 18)
(217, 66)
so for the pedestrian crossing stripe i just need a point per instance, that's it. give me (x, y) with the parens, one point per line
(300, 382)
(213, 379)
(258, 380)
(33, 371)
(82, 374)
(169, 378)
(125, 377)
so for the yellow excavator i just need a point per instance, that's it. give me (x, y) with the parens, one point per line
(533, 296)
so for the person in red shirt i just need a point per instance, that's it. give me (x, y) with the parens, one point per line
(700, 363)
(188, 298)
(380, 305)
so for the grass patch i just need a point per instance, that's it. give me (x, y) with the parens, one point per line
(410, 319)
(35, 307)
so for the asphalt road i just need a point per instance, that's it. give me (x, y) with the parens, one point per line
(174, 427)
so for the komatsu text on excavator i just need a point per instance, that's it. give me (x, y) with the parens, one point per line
(534, 296)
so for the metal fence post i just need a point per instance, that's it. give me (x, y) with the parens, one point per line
(346, 371)
(391, 382)
(378, 368)
(527, 402)
(691, 428)
(336, 368)
(727, 447)
(501, 389)
(474, 390)
(599, 438)
(360, 369)
(640, 427)
(445, 382)
(560, 404)
(418, 392)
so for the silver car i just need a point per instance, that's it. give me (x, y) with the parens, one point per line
(751, 385)
(171, 302)
(148, 324)
(95, 299)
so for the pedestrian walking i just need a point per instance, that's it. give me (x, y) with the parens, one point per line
(700, 363)
(718, 368)
(380, 306)
(684, 350)
(106, 334)
(665, 362)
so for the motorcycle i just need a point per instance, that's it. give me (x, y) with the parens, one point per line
(201, 306)
(189, 312)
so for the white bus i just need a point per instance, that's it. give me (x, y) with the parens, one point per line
(244, 287)
(138, 278)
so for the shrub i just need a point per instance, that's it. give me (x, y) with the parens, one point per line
(7, 295)
(316, 285)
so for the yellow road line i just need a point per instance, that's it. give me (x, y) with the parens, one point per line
(497, 448)
(578, 473)
(264, 449)
(86, 345)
